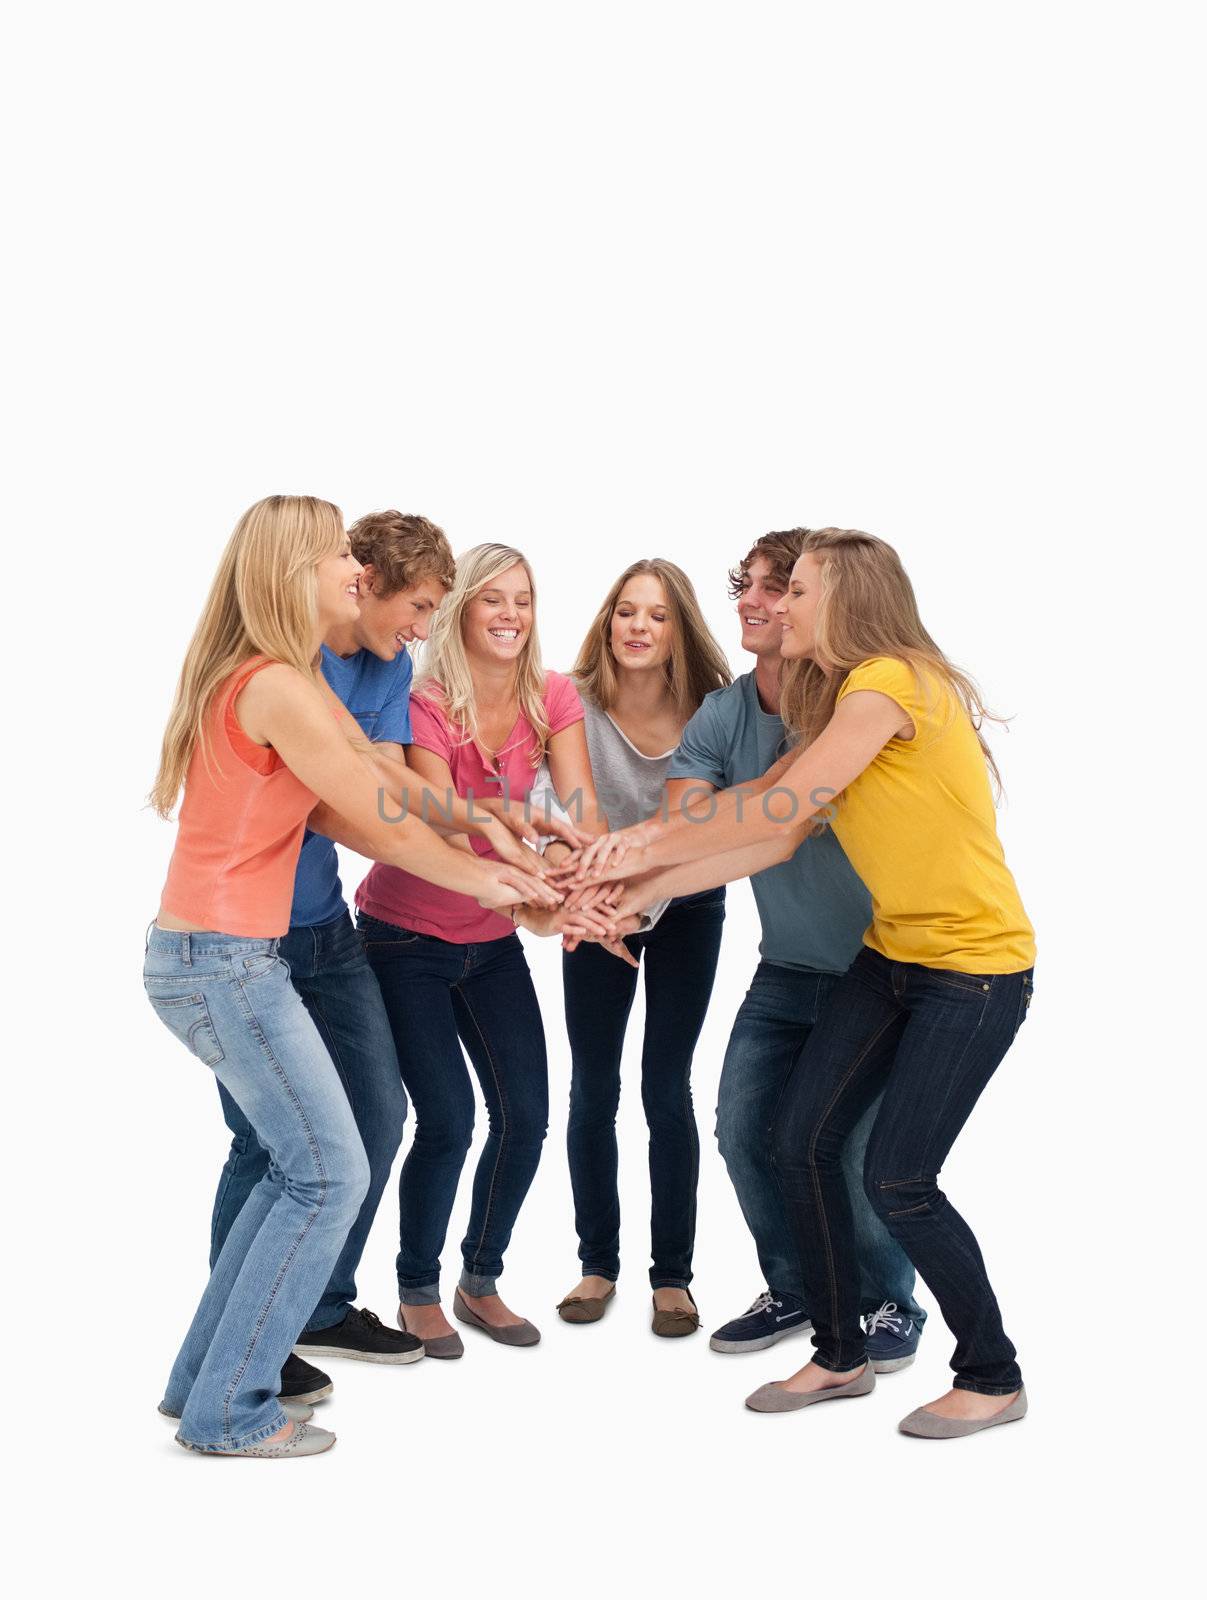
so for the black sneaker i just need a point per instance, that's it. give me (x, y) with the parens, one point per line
(767, 1322)
(362, 1336)
(302, 1382)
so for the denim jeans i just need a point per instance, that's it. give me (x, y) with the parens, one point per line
(679, 955)
(327, 967)
(769, 1033)
(231, 1002)
(930, 1041)
(440, 996)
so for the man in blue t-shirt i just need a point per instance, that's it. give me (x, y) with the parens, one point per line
(408, 569)
(814, 911)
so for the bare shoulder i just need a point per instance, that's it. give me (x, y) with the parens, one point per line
(277, 691)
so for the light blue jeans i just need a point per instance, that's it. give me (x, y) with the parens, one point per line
(231, 1002)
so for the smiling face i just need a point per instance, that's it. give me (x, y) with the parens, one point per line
(641, 629)
(386, 626)
(797, 610)
(498, 620)
(338, 589)
(761, 593)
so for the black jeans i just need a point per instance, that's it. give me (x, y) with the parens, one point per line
(680, 959)
(441, 997)
(931, 1041)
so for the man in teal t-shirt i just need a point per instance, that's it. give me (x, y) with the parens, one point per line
(814, 911)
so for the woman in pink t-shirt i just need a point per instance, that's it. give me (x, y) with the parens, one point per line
(484, 715)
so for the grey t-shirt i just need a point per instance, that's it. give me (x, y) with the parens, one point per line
(628, 785)
(813, 908)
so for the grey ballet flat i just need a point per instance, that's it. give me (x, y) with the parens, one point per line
(774, 1397)
(924, 1424)
(445, 1347)
(519, 1333)
(295, 1410)
(305, 1440)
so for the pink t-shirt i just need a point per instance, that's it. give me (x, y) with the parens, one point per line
(392, 895)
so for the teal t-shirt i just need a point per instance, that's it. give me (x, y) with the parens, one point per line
(813, 908)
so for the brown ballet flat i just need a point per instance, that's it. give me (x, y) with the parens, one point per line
(677, 1323)
(584, 1308)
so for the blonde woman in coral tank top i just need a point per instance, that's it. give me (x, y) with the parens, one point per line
(264, 749)
(893, 759)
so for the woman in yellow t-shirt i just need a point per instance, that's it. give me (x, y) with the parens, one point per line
(890, 755)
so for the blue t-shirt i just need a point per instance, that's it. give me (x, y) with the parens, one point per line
(813, 908)
(378, 694)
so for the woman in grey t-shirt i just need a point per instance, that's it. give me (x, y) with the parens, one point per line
(644, 667)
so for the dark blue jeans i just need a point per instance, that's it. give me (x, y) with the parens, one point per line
(440, 996)
(929, 1041)
(328, 969)
(769, 1033)
(679, 955)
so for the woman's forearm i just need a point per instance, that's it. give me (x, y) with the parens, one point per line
(410, 796)
(693, 877)
(407, 843)
(738, 819)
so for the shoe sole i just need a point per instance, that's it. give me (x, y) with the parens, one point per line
(305, 1351)
(735, 1347)
(245, 1455)
(895, 1365)
(311, 1396)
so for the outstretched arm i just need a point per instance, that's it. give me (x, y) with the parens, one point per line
(282, 708)
(808, 782)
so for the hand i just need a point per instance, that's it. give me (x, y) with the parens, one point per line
(508, 843)
(630, 862)
(535, 825)
(630, 899)
(613, 943)
(559, 828)
(602, 857)
(504, 885)
(575, 925)
(596, 896)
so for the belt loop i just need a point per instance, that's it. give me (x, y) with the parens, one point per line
(186, 952)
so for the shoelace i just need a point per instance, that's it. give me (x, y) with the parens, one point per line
(763, 1303)
(369, 1317)
(884, 1318)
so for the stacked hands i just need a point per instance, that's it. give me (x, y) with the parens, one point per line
(584, 887)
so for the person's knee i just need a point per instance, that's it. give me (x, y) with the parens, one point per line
(742, 1135)
(384, 1135)
(594, 1099)
(895, 1199)
(447, 1136)
(522, 1124)
(337, 1180)
(784, 1146)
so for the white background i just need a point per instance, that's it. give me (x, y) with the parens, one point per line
(603, 283)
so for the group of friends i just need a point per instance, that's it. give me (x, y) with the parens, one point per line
(846, 774)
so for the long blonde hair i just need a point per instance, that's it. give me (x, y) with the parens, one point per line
(445, 675)
(866, 608)
(263, 601)
(696, 664)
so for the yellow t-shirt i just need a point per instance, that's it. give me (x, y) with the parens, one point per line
(918, 827)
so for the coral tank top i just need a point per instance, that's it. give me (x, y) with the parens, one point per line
(240, 829)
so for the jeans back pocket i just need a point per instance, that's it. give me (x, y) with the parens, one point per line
(188, 1017)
